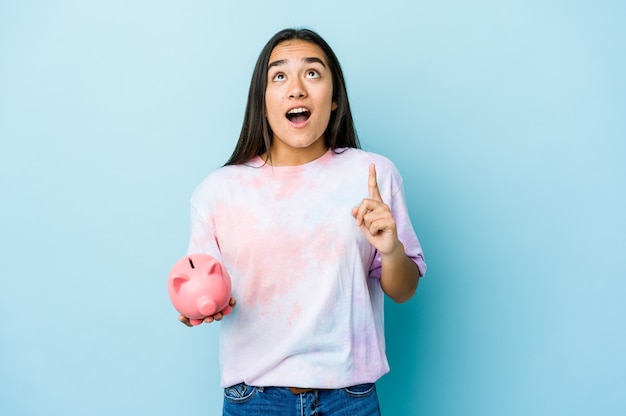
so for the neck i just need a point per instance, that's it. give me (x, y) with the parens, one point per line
(287, 156)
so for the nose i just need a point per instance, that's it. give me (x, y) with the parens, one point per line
(297, 89)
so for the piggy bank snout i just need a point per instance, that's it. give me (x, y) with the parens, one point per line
(207, 306)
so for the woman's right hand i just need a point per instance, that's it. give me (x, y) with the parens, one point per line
(217, 317)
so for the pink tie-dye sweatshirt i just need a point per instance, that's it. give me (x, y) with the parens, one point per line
(309, 303)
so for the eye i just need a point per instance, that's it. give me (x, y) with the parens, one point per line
(279, 77)
(311, 73)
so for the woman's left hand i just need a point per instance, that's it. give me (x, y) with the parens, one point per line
(374, 218)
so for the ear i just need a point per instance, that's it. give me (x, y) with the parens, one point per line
(334, 106)
(178, 281)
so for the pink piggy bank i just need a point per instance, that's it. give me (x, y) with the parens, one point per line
(199, 287)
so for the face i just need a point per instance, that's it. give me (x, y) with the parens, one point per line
(298, 101)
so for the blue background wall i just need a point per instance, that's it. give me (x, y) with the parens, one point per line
(506, 118)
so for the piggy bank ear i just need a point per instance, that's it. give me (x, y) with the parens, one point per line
(215, 268)
(177, 282)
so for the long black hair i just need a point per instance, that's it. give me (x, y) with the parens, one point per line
(256, 134)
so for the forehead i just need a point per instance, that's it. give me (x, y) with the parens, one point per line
(296, 50)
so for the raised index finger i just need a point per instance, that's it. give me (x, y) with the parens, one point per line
(372, 184)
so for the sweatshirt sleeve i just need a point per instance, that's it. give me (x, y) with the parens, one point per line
(202, 232)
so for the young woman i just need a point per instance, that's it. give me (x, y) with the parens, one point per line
(314, 232)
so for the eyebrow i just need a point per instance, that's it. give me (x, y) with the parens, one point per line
(305, 60)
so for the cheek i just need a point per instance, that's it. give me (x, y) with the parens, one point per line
(272, 103)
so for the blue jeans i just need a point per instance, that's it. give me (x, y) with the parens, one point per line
(242, 399)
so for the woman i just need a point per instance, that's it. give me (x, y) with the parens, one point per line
(314, 232)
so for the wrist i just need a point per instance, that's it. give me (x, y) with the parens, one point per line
(397, 252)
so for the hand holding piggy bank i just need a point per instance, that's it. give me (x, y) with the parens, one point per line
(199, 287)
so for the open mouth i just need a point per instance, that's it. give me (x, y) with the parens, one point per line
(298, 115)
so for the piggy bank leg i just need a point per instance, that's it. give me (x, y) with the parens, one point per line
(195, 322)
(228, 309)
